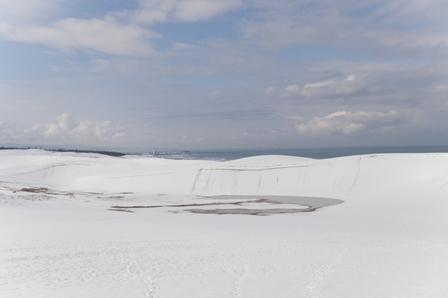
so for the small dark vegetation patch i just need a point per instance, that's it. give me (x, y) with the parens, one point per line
(35, 189)
(122, 210)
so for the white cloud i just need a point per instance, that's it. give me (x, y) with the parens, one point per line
(70, 34)
(290, 90)
(330, 88)
(104, 129)
(310, 89)
(65, 124)
(350, 78)
(152, 11)
(66, 128)
(326, 88)
(343, 122)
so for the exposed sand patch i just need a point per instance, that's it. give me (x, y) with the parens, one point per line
(255, 205)
(121, 209)
(260, 212)
(312, 202)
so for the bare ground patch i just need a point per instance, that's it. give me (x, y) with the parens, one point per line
(252, 204)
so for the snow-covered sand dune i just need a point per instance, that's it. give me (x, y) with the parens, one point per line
(62, 235)
(351, 177)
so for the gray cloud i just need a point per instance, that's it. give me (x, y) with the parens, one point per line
(116, 33)
(71, 34)
(387, 29)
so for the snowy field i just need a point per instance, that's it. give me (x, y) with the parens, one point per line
(86, 225)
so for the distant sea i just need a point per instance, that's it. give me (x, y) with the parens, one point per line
(318, 153)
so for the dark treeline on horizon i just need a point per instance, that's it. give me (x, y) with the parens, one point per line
(109, 153)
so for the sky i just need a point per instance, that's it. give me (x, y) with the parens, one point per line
(209, 74)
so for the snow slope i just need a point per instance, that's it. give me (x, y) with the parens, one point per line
(67, 231)
(371, 176)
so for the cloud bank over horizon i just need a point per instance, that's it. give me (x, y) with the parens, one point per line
(65, 128)
(215, 73)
